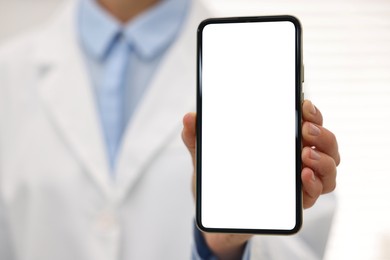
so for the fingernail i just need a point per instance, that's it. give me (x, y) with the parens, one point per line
(314, 155)
(313, 177)
(314, 130)
(312, 110)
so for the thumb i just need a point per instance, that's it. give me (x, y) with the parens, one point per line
(189, 133)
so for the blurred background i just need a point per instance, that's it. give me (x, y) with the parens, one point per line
(347, 75)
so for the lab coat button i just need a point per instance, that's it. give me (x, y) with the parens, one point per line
(107, 222)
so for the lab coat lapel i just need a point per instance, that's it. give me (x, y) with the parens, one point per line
(158, 118)
(68, 97)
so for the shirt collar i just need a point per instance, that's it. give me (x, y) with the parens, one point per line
(97, 28)
(150, 33)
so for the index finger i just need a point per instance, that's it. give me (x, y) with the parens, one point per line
(311, 113)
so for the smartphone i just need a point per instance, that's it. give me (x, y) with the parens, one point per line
(248, 158)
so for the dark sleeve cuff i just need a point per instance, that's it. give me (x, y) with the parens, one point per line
(200, 244)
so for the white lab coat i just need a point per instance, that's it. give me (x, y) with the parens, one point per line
(57, 199)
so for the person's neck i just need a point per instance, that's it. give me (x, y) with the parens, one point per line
(125, 10)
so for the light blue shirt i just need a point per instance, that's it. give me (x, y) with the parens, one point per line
(120, 83)
(147, 37)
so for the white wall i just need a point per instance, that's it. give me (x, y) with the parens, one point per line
(17, 16)
(347, 65)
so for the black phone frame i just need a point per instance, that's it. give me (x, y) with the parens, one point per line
(298, 103)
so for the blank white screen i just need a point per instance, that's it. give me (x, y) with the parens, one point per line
(248, 126)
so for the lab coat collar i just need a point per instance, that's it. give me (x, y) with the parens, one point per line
(67, 94)
(70, 102)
